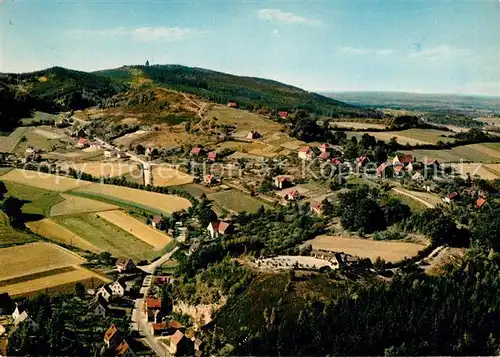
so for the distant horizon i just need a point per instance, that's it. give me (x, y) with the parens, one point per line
(422, 46)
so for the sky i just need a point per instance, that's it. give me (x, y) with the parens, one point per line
(425, 46)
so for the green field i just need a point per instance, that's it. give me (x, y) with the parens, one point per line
(8, 143)
(107, 236)
(10, 236)
(236, 201)
(37, 141)
(195, 189)
(4, 170)
(37, 200)
(485, 153)
(409, 136)
(39, 116)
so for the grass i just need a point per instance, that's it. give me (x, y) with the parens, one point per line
(10, 236)
(236, 201)
(37, 200)
(4, 170)
(9, 143)
(43, 180)
(39, 116)
(484, 153)
(242, 119)
(38, 141)
(74, 204)
(195, 189)
(413, 204)
(42, 274)
(410, 136)
(107, 236)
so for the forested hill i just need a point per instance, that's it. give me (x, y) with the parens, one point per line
(248, 92)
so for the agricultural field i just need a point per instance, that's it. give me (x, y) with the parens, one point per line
(9, 143)
(390, 251)
(236, 201)
(357, 125)
(44, 138)
(10, 236)
(196, 189)
(106, 236)
(75, 204)
(150, 200)
(479, 153)
(34, 258)
(144, 232)
(410, 136)
(167, 176)
(428, 199)
(37, 201)
(39, 116)
(104, 169)
(485, 171)
(50, 229)
(4, 170)
(43, 180)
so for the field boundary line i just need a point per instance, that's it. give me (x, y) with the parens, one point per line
(427, 204)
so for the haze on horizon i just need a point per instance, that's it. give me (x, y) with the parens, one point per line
(423, 46)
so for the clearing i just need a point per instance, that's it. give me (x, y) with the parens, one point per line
(236, 201)
(151, 200)
(43, 138)
(43, 180)
(50, 229)
(107, 236)
(135, 227)
(75, 204)
(34, 258)
(104, 169)
(37, 201)
(168, 176)
(390, 251)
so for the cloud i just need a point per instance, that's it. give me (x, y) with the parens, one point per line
(440, 53)
(276, 15)
(354, 51)
(143, 34)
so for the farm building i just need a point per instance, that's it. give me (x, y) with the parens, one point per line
(451, 197)
(158, 222)
(317, 208)
(82, 143)
(253, 134)
(306, 153)
(283, 114)
(283, 181)
(118, 288)
(180, 345)
(152, 307)
(217, 228)
(125, 265)
(212, 156)
(196, 151)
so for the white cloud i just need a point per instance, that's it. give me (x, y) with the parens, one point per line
(440, 53)
(354, 51)
(143, 34)
(276, 15)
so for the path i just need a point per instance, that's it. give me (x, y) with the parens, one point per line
(151, 267)
(201, 108)
(427, 204)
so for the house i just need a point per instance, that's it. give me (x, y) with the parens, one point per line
(212, 156)
(6, 304)
(118, 288)
(417, 176)
(452, 196)
(158, 222)
(95, 145)
(399, 170)
(283, 114)
(116, 153)
(336, 161)
(116, 343)
(158, 329)
(317, 208)
(197, 344)
(3, 330)
(324, 147)
(30, 150)
(152, 307)
(196, 151)
(361, 161)
(125, 265)
(217, 228)
(253, 134)
(149, 151)
(382, 170)
(123, 349)
(209, 179)
(289, 195)
(108, 153)
(161, 279)
(194, 247)
(168, 328)
(180, 345)
(82, 143)
(306, 153)
(283, 181)
(480, 202)
(232, 104)
(402, 159)
(325, 155)
(99, 306)
(20, 315)
(431, 163)
(183, 234)
(106, 292)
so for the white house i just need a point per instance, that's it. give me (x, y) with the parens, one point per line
(306, 153)
(118, 288)
(125, 265)
(217, 228)
(107, 153)
(105, 292)
(20, 315)
(99, 306)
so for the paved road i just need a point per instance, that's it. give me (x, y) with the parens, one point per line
(151, 267)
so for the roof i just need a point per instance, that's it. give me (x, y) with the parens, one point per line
(212, 154)
(198, 342)
(157, 219)
(398, 168)
(405, 158)
(336, 161)
(305, 149)
(416, 175)
(324, 155)
(107, 289)
(159, 326)
(452, 195)
(382, 167)
(196, 151)
(316, 206)
(99, 300)
(121, 283)
(177, 337)
(283, 114)
(430, 161)
(223, 226)
(174, 324)
(153, 303)
(480, 202)
(110, 333)
(361, 159)
(123, 261)
(82, 141)
(209, 177)
(283, 178)
(122, 348)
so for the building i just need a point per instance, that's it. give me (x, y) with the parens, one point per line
(196, 151)
(431, 163)
(106, 292)
(289, 194)
(158, 329)
(361, 161)
(6, 304)
(209, 179)
(317, 208)
(283, 114)
(124, 350)
(119, 288)
(20, 315)
(253, 134)
(194, 247)
(125, 265)
(382, 170)
(82, 143)
(451, 197)
(217, 228)
(30, 150)
(399, 170)
(116, 344)
(480, 202)
(95, 145)
(232, 104)
(418, 177)
(402, 159)
(325, 155)
(336, 161)
(108, 153)
(152, 308)
(306, 153)
(158, 222)
(212, 156)
(162, 279)
(180, 345)
(99, 306)
(283, 181)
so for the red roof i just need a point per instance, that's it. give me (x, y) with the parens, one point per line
(283, 114)
(196, 151)
(153, 303)
(157, 219)
(122, 348)
(405, 159)
(305, 149)
(159, 326)
(223, 226)
(316, 206)
(110, 332)
(361, 159)
(212, 155)
(480, 202)
(452, 195)
(398, 168)
(209, 178)
(282, 179)
(382, 167)
(82, 141)
(336, 161)
(324, 155)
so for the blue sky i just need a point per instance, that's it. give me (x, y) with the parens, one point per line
(433, 46)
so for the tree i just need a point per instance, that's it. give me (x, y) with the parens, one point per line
(80, 290)
(139, 149)
(396, 211)
(147, 63)
(3, 190)
(12, 207)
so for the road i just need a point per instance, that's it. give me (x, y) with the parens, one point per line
(427, 204)
(151, 267)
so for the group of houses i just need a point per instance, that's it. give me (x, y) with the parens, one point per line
(478, 195)
(115, 344)
(199, 152)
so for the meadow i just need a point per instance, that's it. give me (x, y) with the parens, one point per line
(479, 153)
(37, 201)
(10, 236)
(106, 236)
(43, 180)
(409, 136)
(8, 143)
(167, 176)
(75, 204)
(236, 201)
(104, 169)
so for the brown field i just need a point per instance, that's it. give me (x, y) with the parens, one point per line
(104, 169)
(485, 171)
(46, 283)
(357, 125)
(135, 227)
(76, 204)
(48, 134)
(43, 180)
(50, 229)
(490, 149)
(158, 201)
(167, 176)
(243, 120)
(390, 251)
(34, 258)
(409, 136)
